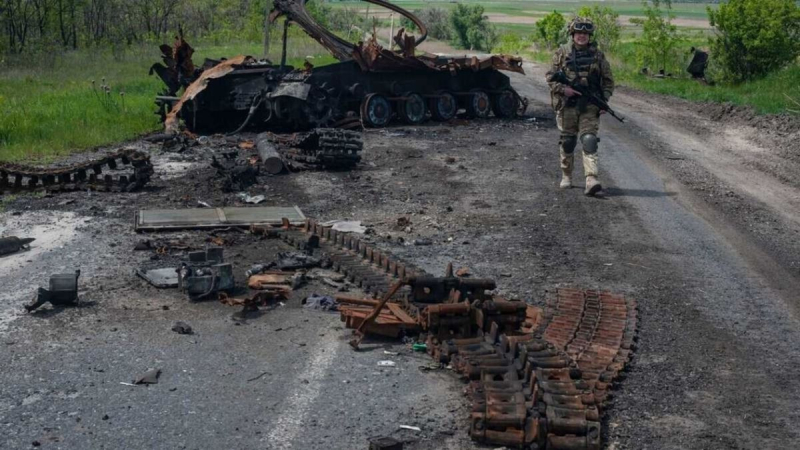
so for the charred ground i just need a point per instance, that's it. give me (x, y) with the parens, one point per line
(718, 341)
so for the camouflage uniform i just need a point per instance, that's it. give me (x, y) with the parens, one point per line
(575, 117)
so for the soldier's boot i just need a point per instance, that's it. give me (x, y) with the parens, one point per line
(590, 170)
(567, 154)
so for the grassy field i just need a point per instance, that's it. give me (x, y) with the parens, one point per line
(50, 108)
(536, 8)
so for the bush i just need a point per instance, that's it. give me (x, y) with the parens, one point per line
(607, 30)
(510, 44)
(551, 31)
(471, 29)
(755, 37)
(658, 44)
(436, 19)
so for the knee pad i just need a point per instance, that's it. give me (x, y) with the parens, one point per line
(589, 142)
(568, 143)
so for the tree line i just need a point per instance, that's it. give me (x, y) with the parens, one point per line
(49, 25)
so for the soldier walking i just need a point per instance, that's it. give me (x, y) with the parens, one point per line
(576, 118)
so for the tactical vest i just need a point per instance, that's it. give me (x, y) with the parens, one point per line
(583, 66)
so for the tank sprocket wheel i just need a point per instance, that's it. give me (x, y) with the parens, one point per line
(443, 107)
(505, 104)
(376, 111)
(412, 110)
(478, 104)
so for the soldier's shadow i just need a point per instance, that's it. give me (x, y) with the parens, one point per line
(646, 193)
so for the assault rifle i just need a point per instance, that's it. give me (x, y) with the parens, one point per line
(592, 97)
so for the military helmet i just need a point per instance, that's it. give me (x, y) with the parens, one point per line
(581, 24)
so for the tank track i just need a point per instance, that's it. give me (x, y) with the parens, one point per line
(537, 384)
(373, 270)
(87, 175)
(323, 148)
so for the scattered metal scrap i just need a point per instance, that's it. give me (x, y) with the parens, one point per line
(13, 244)
(538, 377)
(87, 175)
(322, 148)
(205, 274)
(63, 291)
(369, 82)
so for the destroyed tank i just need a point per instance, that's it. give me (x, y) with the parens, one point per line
(370, 84)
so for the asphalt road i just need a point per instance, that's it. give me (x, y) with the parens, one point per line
(718, 346)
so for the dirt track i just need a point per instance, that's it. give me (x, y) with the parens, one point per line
(698, 223)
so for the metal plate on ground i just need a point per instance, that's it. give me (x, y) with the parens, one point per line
(170, 219)
(160, 278)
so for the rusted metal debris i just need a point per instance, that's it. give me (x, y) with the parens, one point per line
(371, 85)
(538, 377)
(121, 171)
(13, 244)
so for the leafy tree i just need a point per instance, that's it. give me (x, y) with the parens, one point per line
(659, 41)
(755, 37)
(607, 29)
(551, 30)
(471, 29)
(437, 21)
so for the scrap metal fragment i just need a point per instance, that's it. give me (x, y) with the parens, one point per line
(13, 244)
(63, 291)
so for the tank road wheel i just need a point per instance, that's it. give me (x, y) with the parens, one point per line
(444, 107)
(412, 110)
(505, 104)
(478, 104)
(376, 111)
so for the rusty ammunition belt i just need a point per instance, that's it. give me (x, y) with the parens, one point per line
(87, 175)
(538, 378)
(323, 148)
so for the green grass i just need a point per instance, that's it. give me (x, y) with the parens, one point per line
(536, 8)
(48, 108)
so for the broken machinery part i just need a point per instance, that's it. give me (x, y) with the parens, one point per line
(174, 219)
(87, 175)
(205, 274)
(538, 377)
(13, 244)
(63, 291)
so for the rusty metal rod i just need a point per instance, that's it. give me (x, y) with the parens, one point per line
(375, 312)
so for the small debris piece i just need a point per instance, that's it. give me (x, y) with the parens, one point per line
(149, 377)
(423, 241)
(252, 199)
(13, 244)
(63, 291)
(182, 328)
(353, 226)
(419, 347)
(387, 363)
(462, 272)
(160, 278)
(385, 443)
(409, 427)
(323, 302)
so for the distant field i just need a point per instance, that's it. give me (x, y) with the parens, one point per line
(534, 8)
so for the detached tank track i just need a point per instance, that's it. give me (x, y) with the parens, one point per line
(373, 270)
(327, 148)
(87, 175)
(535, 390)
